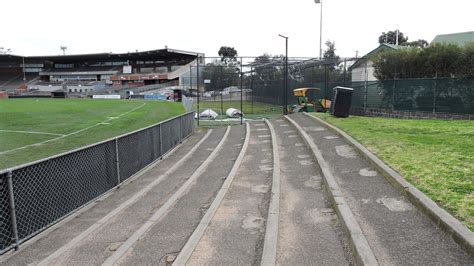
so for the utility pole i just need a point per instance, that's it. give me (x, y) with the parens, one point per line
(285, 90)
(320, 29)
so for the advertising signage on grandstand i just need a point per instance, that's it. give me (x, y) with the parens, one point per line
(113, 96)
(127, 69)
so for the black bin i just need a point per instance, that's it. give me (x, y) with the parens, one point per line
(341, 101)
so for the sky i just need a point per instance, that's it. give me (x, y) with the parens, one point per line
(40, 27)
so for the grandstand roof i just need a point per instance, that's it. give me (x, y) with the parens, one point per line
(160, 54)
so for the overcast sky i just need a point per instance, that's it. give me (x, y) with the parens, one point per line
(40, 27)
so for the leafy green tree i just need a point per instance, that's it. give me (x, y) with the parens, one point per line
(221, 75)
(330, 51)
(5, 50)
(438, 60)
(228, 54)
(391, 37)
(441, 74)
(331, 59)
(418, 43)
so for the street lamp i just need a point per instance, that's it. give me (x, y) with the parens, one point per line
(285, 91)
(320, 29)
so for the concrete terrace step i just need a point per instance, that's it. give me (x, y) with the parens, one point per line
(170, 233)
(397, 232)
(250, 194)
(63, 233)
(236, 232)
(309, 228)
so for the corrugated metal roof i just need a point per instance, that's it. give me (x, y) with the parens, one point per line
(459, 38)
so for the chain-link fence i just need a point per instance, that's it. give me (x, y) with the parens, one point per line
(39, 194)
(255, 86)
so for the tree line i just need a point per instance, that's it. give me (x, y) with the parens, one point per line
(434, 61)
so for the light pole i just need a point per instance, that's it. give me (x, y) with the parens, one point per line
(285, 91)
(320, 29)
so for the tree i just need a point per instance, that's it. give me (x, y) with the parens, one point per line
(391, 37)
(268, 67)
(227, 54)
(435, 61)
(331, 59)
(441, 71)
(221, 75)
(330, 51)
(419, 43)
(5, 50)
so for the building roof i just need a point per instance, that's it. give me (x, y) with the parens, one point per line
(160, 54)
(459, 38)
(381, 47)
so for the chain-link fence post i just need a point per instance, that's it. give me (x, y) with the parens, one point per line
(434, 94)
(12, 210)
(180, 129)
(366, 77)
(197, 86)
(241, 92)
(117, 161)
(251, 85)
(393, 93)
(161, 142)
(344, 73)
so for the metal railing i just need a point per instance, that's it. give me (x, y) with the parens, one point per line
(149, 87)
(36, 195)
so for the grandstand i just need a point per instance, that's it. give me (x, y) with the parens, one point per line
(86, 74)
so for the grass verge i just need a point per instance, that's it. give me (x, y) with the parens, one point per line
(436, 156)
(65, 116)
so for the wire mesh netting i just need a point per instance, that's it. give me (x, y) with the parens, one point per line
(46, 191)
(50, 189)
(425, 95)
(170, 129)
(6, 237)
(256, 86)
(187, 124)
(137, 150)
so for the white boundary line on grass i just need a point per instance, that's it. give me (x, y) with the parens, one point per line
(30, 132)
(73, 133)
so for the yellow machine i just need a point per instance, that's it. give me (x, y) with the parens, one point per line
(306, 104)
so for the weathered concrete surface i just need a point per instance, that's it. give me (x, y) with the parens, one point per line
(235, 234)
(169, 235)
(309, 229)
(397, 231)
(44, 246)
